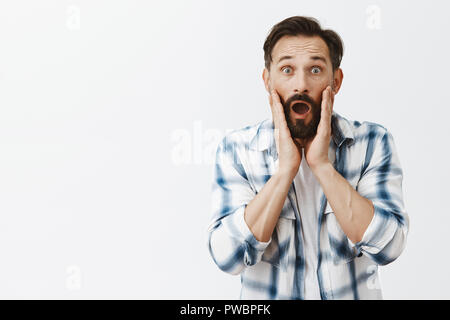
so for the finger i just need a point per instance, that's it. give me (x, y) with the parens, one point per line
(326, 108)
(271, 109)
(328, 101)
(331, 99)
(276, 131)
(278, 110)
(333, 93)
(324, 105)
(276, 121)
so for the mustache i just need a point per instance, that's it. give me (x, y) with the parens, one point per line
(302, 97)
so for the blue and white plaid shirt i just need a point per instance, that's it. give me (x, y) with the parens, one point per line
(365, 155)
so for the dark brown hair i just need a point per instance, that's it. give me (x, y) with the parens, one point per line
(308, 26)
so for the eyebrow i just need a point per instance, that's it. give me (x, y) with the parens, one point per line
(320, 58)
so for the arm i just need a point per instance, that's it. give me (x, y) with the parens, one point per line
(372, 216)
(231, 243)
(381, 182)
(243, 221)
(263, 211)
(352, 211)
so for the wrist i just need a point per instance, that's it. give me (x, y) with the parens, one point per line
(286, 175)
(321, 168)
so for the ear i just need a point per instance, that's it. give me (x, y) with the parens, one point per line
(266, 79)
(338, 77)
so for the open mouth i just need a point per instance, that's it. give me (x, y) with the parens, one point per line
(301, 107)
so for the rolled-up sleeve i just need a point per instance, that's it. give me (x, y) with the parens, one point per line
(231, 243)
(381, 182)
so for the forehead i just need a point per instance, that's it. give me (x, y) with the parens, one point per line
(298, 46)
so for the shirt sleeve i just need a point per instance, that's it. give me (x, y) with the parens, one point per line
(231, 243)
(381, 182)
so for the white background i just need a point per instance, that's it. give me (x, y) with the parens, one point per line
(110, 112)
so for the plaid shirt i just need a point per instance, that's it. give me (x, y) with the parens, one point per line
(365, 155)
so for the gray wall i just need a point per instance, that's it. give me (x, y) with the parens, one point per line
(110, 113)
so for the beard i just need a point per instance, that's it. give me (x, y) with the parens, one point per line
(298, 127)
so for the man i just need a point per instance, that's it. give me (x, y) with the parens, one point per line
(307, 204)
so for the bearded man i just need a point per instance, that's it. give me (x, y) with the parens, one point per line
(308, 204)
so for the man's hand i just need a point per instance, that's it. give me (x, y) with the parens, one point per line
(289, 150)
(262, 213)
(316, 150)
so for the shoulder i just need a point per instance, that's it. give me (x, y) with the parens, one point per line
(370, 145)
(362, 132)
(368, 130)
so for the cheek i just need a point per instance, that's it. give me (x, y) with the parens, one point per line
(282, 91)
(320, 88)
(278, 84)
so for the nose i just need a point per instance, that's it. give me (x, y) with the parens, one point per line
(301, 83)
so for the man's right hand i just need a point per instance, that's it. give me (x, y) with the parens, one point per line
(289, 150)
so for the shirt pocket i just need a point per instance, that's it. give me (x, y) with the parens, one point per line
(278, 251)
(341, 249)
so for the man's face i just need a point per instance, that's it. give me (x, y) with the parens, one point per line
(301, 69)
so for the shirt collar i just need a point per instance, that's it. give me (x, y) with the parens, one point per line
(264, 138)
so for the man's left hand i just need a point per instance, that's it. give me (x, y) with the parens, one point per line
(316, 149)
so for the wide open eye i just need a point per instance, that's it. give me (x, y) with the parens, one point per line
(286, 68)
(316, 70)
